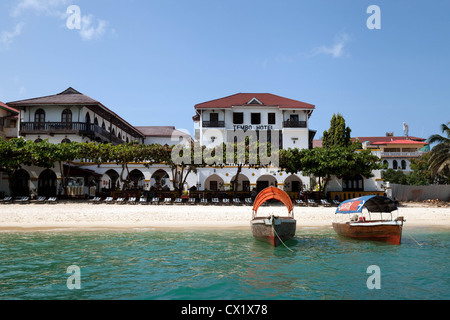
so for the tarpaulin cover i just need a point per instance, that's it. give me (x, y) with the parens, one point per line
(272, 193)
(372, 203)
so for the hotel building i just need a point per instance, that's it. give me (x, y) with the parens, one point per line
(73, 116)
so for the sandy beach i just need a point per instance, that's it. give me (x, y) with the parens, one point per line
(83, 215)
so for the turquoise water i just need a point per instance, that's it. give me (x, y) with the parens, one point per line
(215, 264)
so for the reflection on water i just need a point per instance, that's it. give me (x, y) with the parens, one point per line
(217, 264)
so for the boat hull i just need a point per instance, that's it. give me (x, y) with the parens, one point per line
(274, 231)
(390, 232)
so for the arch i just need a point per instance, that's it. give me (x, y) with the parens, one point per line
(272, 193)
(110, 180)
(39, 116)
(160, 179)
(137, 180)
(243, 183)
(88, 118)
(293, 183)
(395, 164)
(403, 164)
(47, 184)
(95, 121)
(214, 183)
(66, 116)
(21, 184)
(386, 163)
(266, 181)
(65, 140)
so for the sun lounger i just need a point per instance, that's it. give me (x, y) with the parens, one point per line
(312, 202)
(52, 200)
(248, 201)
(120, 201)
(215, 200)
(41, 200)
(204, 201)
(178, 201)
(131, 200)
(96, 200)
(237, 201)
(226, 201)
(155, 200)
(6, 200)
(167, 200)
(109, 200)
(24, 200)
(336, 202)
(191, 201)
(325, 202)
(143, 200)
(300, 202)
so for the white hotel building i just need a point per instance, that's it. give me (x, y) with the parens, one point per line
(73, 116)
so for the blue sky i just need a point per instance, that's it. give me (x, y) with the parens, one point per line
(152, 61)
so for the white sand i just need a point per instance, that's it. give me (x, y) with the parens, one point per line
(16, 217)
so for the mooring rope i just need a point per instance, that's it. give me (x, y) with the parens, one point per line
(273, 228)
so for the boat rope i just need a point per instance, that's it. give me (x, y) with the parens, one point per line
(273, 228)
(415, 240)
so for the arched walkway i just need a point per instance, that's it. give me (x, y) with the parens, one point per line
(243, 183)
(266, 181)
(110, 180)
(160, 180)
(47, 184)
(214, 183)
(293, 184)
(137, 180)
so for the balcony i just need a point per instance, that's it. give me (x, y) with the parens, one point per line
(294, 124)
(401, 154)
(86, 129)
(213, 124)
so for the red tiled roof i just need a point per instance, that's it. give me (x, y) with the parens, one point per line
(8, 108)
(400, 142)
(244, 99)
(385, 139)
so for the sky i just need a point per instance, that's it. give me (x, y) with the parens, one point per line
(151, 61)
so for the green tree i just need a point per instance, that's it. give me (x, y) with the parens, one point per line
(324, 163)
(338, 135)
(440, 155)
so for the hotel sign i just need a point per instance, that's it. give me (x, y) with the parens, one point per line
(246, 127)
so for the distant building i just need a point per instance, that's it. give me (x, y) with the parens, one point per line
(8, 121)
(72, 116)
(396, 152)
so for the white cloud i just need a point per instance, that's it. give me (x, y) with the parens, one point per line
(7, 37)
(49, 7)
(89, 30)
(337, 50)
(91, 27)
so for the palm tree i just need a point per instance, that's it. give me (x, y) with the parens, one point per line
(440, 154)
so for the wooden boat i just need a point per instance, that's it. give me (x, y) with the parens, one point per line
(363, 227)
(272, 229)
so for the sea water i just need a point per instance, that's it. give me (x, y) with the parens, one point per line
(221, 265)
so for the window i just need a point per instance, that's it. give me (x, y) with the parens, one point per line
(214, 117)
(256, 118)
(238, 117)
(395, 164)
(293, 118)
(355, 183)
(39, 116)
(66, 141)
(403, 165)
(271, 117)
(66, 116)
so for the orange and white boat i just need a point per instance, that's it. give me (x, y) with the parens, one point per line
(273, 229)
